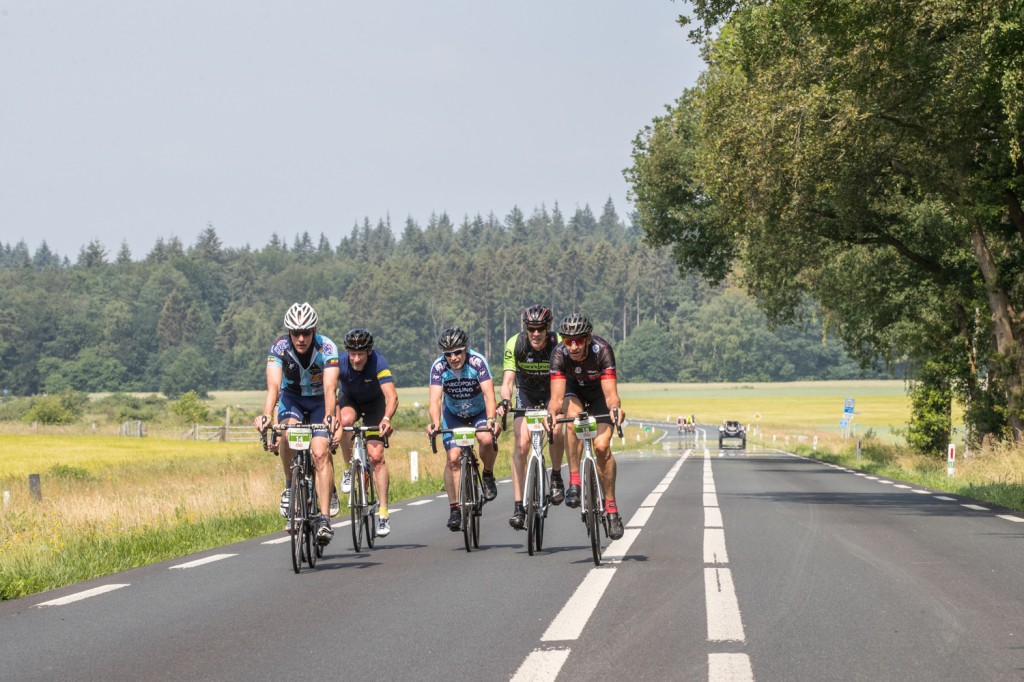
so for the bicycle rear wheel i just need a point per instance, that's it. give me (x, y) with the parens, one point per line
(371, 505)
(296, 519)
(467, 506)
(356, 504)
(534, 520)
(478, 505)
(591, 508)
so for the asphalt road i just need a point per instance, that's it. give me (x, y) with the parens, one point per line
(735, 566)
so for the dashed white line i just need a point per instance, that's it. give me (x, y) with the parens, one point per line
(203, 561)
(724, 621)
(78, 596)
(1010, 517)
(975, 507)
(945, 499)
(569, 622)
(712, 517)
(541, 664)
(714, 546)
(419, 502)
(729, 668)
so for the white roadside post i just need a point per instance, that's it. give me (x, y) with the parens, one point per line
(414, 466)
(950, 460)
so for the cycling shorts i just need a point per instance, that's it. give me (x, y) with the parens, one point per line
(450, 420)
(527, 399)
(591, 398)
(371, 412)
(295, 406)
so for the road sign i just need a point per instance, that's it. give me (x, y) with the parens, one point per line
(950, 457)
(844, 423)
(848, 406)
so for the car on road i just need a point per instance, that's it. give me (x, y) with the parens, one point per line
(734, 434)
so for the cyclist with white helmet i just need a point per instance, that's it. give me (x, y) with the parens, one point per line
(367, 391)
(527, 369)
(583, 377)
(302, 379)
(461, 395)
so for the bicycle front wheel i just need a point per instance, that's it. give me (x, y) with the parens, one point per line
(296, 519)
(313, 547)
(534, 519)
(467, 503)
(357, 504)
(591, 507)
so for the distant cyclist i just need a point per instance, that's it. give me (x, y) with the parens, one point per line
(462, 395)
(302, 374)
(527, 368)
(583, 374)
(367, 392)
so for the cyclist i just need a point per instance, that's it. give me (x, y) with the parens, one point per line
(462, 394)
(367, 390)
(302, 373)
(583, 375)
(527, 367)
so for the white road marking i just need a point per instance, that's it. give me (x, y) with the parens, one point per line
(660, 488)
(204, 560)
(709, 487)
(617, 550)
(921, 492)
(974, 507)
(714, 546)
(724, 621)
(651, 500)
(945, 499)
(872, 478)
(729, 668)
(710, 500)
(419, 502)
(640, 517)
(712, 517)
(1010, 517)
(901, 486)
(569, 622)
(541, 665)
(78, 596)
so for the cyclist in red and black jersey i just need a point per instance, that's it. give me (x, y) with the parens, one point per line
(583, 377)
(527, 368)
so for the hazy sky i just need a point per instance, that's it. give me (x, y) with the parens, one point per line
(129, 121)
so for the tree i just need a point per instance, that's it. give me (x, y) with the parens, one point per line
(649, 354)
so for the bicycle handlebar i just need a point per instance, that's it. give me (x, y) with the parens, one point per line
(584, 415)
(519, 412)
(363, 430)
(479, 429)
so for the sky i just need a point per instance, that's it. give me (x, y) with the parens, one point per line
(128, 122)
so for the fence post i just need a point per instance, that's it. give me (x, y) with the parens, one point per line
(414, 466)
(33, 487)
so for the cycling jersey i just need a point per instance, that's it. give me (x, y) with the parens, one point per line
(598, 366)
(303, 378)
(463, 395)
(363, 387)
(532, 367)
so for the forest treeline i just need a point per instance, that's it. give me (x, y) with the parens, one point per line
(201, 317)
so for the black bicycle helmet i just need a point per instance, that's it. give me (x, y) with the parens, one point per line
(300, 316)
(575, 324)
(537, 315)
(452, 338)
(359, 339)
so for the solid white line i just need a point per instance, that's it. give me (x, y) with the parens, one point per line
(714, 546)
(710, 500)
(712, 517)
(660, 488)
(724, 622)
(83, 595)
(640, 517)
(729, 668)
(974, 507)
(542, 665)
(569, 622)
(616, 551)
(204, 560)
(1010, 517)
(419, 502)
(945, 499)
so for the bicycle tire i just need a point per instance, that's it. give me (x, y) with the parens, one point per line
(591, 509)
(543, 485)
(466, 507)
(531, 502)
(296, 519)
(356, 504)
(313, 547)
(478, 505)
(371, 501)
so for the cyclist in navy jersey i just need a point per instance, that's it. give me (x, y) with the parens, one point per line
(462, 394)
(367, 391)
(302, 378)
(583, 377)
(527, 369)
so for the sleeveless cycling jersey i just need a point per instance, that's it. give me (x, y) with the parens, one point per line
(364, 386)
(463, 395)
(532, 367)
(303, 378)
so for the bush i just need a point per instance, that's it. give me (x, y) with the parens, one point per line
(122, 407)
(13, 409)
(65, 408)
(189, 409)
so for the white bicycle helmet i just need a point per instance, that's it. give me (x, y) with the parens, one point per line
(300, 316)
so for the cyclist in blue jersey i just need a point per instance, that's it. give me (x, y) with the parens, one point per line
(462, 394)
(302, 379)
(367, 391)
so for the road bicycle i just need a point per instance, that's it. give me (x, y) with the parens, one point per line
(537, 483)
(471, 492)
(592, 510)
(362, 498)
(304, 508)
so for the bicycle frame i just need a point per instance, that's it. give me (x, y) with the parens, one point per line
(471, 500)
(536, 483)
(305, 505)
(362, 501)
